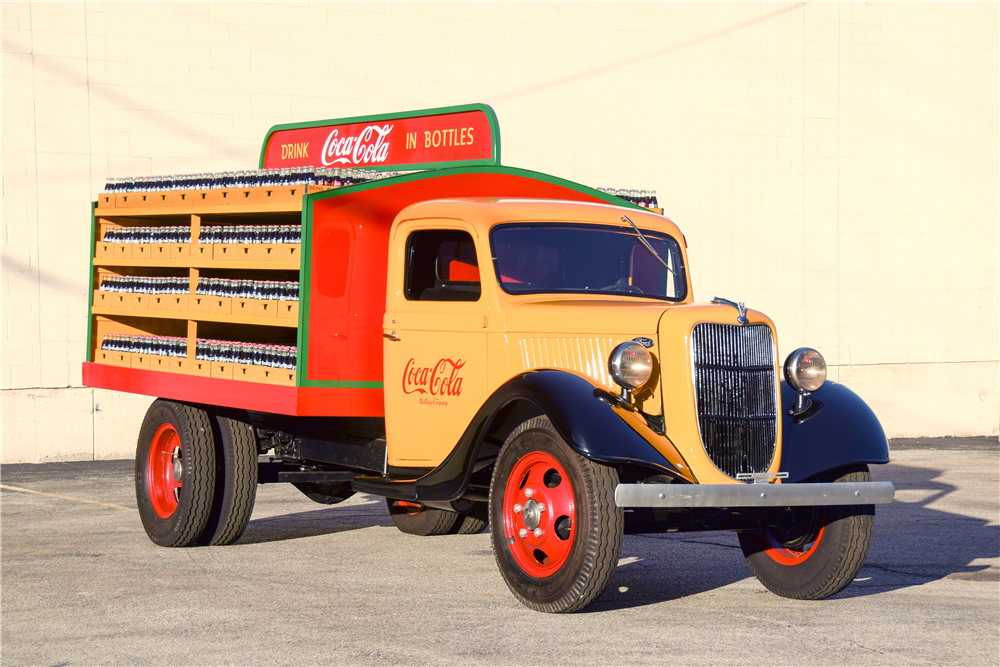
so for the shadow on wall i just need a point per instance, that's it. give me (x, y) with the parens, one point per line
(117, 98)
(45, 279)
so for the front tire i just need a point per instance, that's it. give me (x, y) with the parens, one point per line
(554, 525)
(818, 551)
(174, 473)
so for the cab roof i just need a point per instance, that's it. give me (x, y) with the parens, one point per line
(485, 212)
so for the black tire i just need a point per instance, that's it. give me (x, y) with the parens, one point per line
(235, 482)
(566, 565)
(474, 521)
(416, 519)
(819, 551)
(174, 508)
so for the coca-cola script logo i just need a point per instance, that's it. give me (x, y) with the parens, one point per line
(441, 379)
(370, 146)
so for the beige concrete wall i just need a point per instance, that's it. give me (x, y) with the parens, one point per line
(834, 165)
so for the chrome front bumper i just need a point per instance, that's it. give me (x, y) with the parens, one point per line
(753, 495)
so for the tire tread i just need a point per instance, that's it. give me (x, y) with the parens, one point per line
(187, 523)
(236, 492)
(855, 528)
(201, 498)
(427, 522)
(474, 521)
(602, 545)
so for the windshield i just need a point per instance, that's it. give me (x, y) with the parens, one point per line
(545, 257)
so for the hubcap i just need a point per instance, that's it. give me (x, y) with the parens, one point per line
(165, 471)
(532, 515)
(178, 465)
(539, 512)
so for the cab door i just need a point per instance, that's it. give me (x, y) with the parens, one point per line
(434, 340)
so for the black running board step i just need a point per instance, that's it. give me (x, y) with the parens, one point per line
(405, 489)
(273, 473)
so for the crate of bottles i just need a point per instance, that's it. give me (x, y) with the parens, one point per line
(250, 186)
(142, 292)
(250, 242)
(642, 198)
(149, 243)
(218, 242)
(225, 359)
(253, 362)
(252, 298)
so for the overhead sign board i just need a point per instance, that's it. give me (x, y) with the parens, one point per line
(432, 138)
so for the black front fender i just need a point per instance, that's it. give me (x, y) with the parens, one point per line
(583, 414)
(839, 429)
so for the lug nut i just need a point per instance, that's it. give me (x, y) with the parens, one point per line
(528, 492)
(538, 532)
(517, 508)
(523, 532)
(541, 507)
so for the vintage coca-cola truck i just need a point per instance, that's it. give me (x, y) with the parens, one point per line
(478, 344)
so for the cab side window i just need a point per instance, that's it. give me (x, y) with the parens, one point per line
(441, 265)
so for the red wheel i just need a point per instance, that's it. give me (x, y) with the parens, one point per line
(408, 508)
(812, 552)
(794, 553)
(555, 528)
(539, 514)
(165, 470)
(175, 473)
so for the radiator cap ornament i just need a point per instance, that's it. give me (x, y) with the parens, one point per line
(740, 308)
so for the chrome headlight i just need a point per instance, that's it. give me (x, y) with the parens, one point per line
(630, 365)
(805, 370)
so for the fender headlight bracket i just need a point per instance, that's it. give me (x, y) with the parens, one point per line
(805, 372)
(630, 365)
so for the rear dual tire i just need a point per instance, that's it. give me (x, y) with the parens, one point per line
(235, 482)
(195, 476)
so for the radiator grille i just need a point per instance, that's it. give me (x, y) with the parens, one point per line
(736, 393)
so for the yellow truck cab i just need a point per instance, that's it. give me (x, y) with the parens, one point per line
(480, 345)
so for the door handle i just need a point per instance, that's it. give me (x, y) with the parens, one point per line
(390, 336)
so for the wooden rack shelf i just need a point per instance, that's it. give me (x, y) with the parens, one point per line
(198, 317)
(268, 199)
(290, 265)
(198, 367)
(265, 321)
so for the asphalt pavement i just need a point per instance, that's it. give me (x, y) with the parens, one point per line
(307, 584)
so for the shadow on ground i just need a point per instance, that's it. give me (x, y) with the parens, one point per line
(914, 544)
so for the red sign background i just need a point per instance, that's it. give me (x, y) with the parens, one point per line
(385, 143)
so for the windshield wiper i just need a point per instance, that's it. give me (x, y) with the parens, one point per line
(652, 252)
